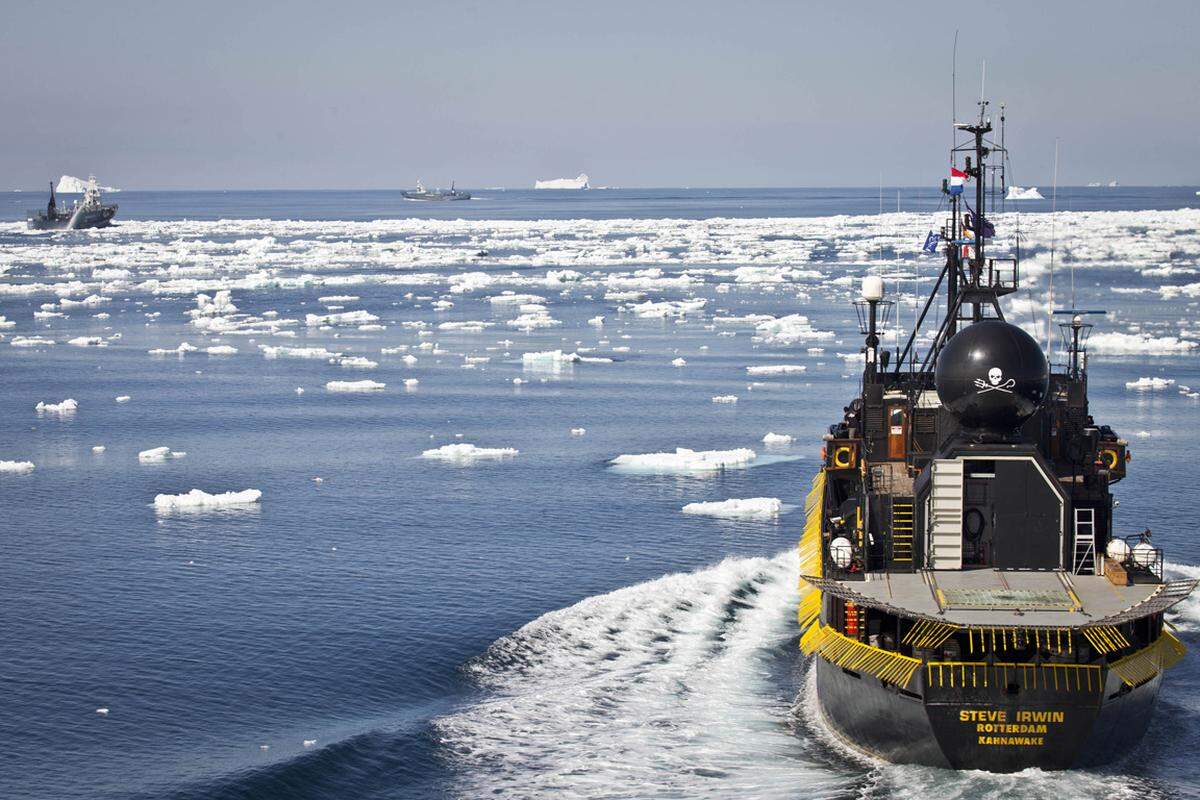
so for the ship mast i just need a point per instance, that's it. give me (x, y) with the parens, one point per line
(971, 277)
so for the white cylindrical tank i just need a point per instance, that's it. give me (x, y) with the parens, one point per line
(841, 551)
(1117, 550)
(1143, 554)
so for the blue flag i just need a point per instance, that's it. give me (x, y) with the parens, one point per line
(931, 242)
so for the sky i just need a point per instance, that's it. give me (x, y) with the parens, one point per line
(372, 94)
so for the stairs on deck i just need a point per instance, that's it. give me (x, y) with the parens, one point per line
(902, 530)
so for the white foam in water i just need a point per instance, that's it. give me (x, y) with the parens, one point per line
(661, 689)
(469, 453)
(68, 406)
(684, 460)
(751, 508)
(198, 500)
(354, 386)
(16, 467)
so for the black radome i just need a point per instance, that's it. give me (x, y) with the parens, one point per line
(992, 376)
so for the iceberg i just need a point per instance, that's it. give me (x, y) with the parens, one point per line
(685, 460)
(69, 184)
(198, 500)
(1017, 193)
(580, 182)
(751, 508)
(468, 453)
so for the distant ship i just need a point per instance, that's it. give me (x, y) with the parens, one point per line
(88, 212)
(422, 193)
(580, 182)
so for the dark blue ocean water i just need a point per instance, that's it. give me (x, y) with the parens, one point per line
(407, 628)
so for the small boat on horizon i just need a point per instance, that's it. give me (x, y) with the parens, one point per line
(421, 193)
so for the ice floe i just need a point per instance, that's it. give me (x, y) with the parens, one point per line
(684, 460)
(157, 454)
(728, 399)
(344, 318)
(68, 406)
(16, 467)
(354, 386)
(1138, 344)
(1146, 384)
(777, 438)
(199, 500)
(751, 508)
(464, 453)
(777, 369)
(87, 341)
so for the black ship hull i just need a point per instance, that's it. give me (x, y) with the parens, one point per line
(435, 196)
(98, 218)
(991, 728)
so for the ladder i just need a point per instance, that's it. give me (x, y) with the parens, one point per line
(902, 530)
(946, 515)
(1087, 561)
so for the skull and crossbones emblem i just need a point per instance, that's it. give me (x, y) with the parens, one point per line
(995, 382)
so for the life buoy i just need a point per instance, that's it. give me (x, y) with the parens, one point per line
(1110, 459)
(843, 457)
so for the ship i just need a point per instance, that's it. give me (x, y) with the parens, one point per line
(87, 212)
(967, 599)
(421, 193)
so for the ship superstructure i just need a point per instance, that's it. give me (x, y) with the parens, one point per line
(965, 593)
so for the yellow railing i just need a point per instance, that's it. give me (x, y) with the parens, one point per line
(1143, 665)
(1105, 638)
(810, 554)
(886, 665)
(982, 675)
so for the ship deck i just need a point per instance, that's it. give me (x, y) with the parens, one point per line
(987, 597)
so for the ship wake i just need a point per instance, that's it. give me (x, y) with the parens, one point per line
(681, 686)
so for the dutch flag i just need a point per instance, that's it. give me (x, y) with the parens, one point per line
(956, 180)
